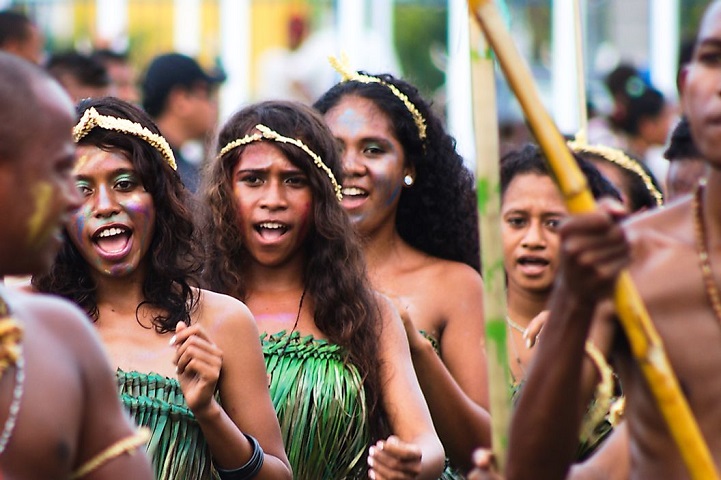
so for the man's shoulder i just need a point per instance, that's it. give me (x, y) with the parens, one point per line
(37, 311)
(670, 223)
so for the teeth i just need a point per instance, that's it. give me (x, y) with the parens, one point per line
(353, 191)
(271, 225)
(111, 232)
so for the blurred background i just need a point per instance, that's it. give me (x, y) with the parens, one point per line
(279, 48)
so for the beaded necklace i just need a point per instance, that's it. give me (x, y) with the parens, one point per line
(514, 325)
(514, 347)
(11, 353)
(703, 257)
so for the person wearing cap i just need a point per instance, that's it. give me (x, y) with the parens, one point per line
(181, 98)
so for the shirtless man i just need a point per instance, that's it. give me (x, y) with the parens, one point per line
(682, 301)
(65, 410)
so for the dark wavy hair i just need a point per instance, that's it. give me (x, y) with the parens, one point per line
(530, 159)
(334, 273)
(173, 264)
(438, 215)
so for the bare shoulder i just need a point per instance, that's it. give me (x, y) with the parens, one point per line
(666, 223)
(222, 313)
(454, 274)
(51, 313)
(666, 229)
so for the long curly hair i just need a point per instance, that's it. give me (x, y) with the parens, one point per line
(334, 273)
(173, 264)
(438, 215)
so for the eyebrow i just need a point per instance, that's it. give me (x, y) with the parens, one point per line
(114, 173)
(293, 171)
(710, 42)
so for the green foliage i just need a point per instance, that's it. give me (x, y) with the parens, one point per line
(418, 29)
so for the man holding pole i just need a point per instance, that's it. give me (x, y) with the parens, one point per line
(675, 254)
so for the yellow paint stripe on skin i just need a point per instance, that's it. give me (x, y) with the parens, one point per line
(42, 192)
(80, 163)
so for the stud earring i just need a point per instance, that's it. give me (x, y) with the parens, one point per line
(408, 180)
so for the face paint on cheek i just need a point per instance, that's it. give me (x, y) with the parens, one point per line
(37, 223)
(387, 188)
(305, 220)
(351, 121)
(394, 194)
(138, 206)
(79, 219)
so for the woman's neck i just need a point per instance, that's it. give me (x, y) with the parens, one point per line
(524, 306)
(381, 247)
(120, 293)
(277, 279)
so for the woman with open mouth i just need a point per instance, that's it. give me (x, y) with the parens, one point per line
(338, 365)
(532, 210)
(412, 201)
(180, 352)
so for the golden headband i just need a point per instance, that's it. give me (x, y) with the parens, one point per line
(616, 156)
(92, 119)
(268, 134)
(347, 74)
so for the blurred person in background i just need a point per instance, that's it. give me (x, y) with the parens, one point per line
(182, 99)
(81, 75)
(20, 36)
(123, 77)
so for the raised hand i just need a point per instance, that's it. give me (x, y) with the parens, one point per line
(484, 466)
(198, 361)
(593, 251)
(394, 459)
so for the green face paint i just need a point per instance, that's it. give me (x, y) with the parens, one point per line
(42, 193)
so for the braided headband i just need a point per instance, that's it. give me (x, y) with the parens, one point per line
(341, 66)
(92, 119)
(268, 134)
(616, 156)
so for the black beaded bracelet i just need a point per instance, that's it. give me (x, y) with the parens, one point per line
(251, 468)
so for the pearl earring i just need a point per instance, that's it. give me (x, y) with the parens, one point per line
(408, 180)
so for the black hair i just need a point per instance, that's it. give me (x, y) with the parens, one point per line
(681, 145)
(85, 69)
(14, 26)
(438, 215)
(172, 260)
(530, 159)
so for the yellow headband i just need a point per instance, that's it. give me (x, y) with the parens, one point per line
(92, 119)
(267, 133)
(616, 156)
(341, 66)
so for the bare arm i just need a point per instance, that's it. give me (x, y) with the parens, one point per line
(454, 386)
(414, 450)
(243, 385)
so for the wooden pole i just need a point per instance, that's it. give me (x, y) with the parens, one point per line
(488, 185)
(645, 342)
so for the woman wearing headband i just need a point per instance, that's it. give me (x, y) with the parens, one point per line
(128, 260)
(340, 373)
(411, 199)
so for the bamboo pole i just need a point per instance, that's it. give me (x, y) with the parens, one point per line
(582, 134)
(488, 187)
(645, 342)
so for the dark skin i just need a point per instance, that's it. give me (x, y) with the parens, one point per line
(665, 268)
(69, 408)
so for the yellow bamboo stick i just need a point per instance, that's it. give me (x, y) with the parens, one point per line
(488, 187)
(645, 342)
